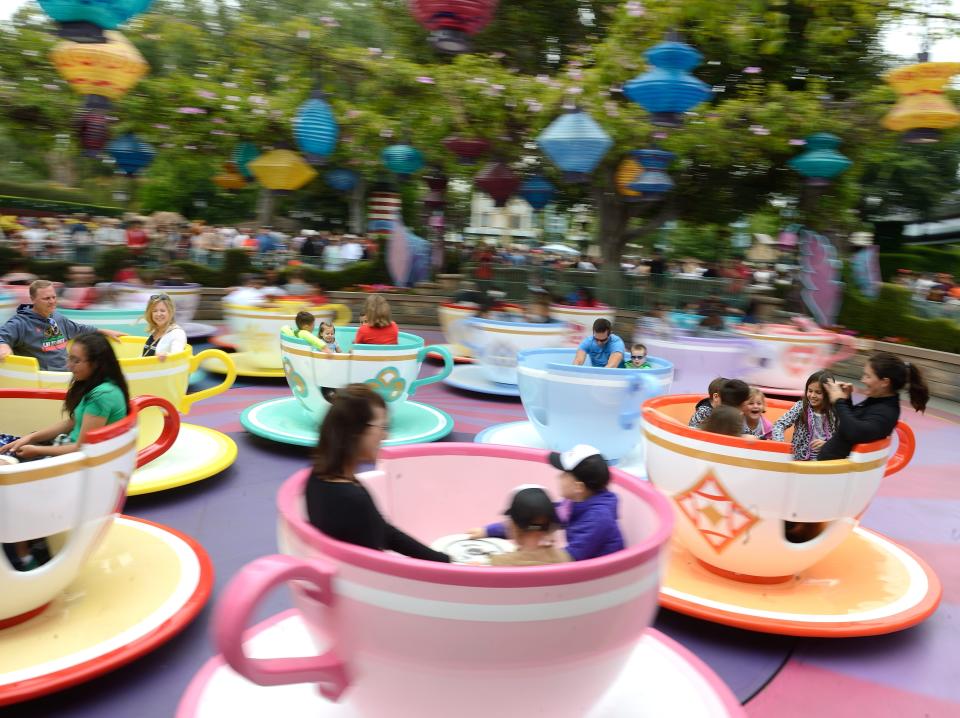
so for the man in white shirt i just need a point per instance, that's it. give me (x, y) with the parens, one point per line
(332, 258)
(350, 251)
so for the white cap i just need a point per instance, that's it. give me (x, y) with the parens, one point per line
(569, 460)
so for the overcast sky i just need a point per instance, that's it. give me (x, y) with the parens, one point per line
(904, 42)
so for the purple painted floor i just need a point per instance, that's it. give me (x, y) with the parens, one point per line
(913, 673)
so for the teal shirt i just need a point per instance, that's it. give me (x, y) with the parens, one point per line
(104, 400)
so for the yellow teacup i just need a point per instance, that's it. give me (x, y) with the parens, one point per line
(145, 376)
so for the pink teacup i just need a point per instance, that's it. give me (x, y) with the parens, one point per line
(399, 636)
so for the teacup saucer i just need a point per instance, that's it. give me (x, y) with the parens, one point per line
(142, 586)
(198, 453)
(868, 586)
(662, 678)
(458, 352)
(228, 342)
(284, 420)
(245, 367)
(524, 433)
(198, 330)
(470, 377)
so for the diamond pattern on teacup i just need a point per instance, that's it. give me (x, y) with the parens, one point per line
(718, 517)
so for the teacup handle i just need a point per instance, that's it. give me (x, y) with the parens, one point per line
(239, 600)
(190, 399)
(169, 433)
(847, 348)
(344, 315)
(906, 446)
(443, 373)
(630, 413)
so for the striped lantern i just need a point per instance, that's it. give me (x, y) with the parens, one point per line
(402, 159)
(653, 180)
(315, 129)
(131, 153)
(451, 22)
(382, 210)
(575, 143)
(342, 180)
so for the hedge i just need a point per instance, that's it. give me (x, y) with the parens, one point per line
(920, 259)
(54, 270)
(891, 315)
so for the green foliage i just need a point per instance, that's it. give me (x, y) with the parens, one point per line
(236, 263)
(54, 270)
(891, 315)
(108, 262)
(920, 259)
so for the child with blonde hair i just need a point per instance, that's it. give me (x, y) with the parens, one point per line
(378, 327)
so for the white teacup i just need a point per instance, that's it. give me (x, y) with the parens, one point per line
(257, 329)
(451, 315)
(414, 638)
(784, 356)
(69, 500)
(8, 306)
(579, 320)
(186, 298)
(496, 344)
(391, 369)
(733, 497)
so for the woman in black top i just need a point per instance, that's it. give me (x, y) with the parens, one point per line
(875, 418)
(337, 503)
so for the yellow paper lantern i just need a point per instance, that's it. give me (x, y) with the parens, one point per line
(627, 173)
(281, 170)
(108, 69)
(923, 109)
(230, 179)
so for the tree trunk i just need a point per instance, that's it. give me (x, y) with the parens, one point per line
(357, 207)
(265, 205)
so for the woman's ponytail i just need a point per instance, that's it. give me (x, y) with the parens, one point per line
(919, 391)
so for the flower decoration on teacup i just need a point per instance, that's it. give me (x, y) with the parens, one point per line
(295, 380)
(388, 383)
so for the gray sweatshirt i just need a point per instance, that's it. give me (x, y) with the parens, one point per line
(30, 335)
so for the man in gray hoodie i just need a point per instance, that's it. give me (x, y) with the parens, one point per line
(37, 330)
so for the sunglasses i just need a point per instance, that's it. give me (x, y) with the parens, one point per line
(158, 297)
(638, 357)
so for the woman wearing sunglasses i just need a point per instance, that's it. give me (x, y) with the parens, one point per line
(165, 336)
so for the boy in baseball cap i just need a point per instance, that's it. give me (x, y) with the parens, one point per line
(589, 512)
(532, 521)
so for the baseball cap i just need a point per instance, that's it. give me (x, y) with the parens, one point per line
(531, 509)
(586, 463)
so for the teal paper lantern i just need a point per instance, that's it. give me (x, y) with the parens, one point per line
(821, 161)
(402, 159)
(575, 143)
(85, 20)
(243, 154)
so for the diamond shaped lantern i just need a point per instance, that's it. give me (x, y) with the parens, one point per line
(131, 153)
(467, 149)
(315, 129)
(668, 89)
(538, 191)
(402, 159)
(653, 181)
(575, 143)
(821, 161)
(923, 110)
(108, 69)
(281, 170)
(82, 20)
(230, 179)
(93, 129)
(498, 181)
(451, 22)
(342, 180)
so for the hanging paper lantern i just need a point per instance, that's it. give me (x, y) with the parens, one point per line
(923, 109)
(498, 181)
(131, 153)
(402, 159)
(467, 149)
(653, 180)
(315, 129)
(107, 69)
(383, 209)
(281, 170)
(575, 143)
(92, 128)
(437, 184)
(668, 89)
(627, 173)
(452, 21)
(821, 161)
(538, 191)
(341, 180)
(82, 20)
(243, 154)
(230, 178)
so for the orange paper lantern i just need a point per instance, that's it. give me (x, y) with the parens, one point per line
(627, 174)
(108, 69)
(923, 109)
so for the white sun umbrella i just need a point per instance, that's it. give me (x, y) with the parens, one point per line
(560, 249)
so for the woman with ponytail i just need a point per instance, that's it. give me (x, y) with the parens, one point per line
(875, 418)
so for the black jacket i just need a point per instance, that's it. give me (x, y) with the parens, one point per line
(870, 420)
(346, 512)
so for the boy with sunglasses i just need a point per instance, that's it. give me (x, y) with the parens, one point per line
(638, 357)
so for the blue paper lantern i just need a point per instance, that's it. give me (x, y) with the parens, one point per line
(84, 20)
(131, 153)
(575, 143)
(244, 154)
(402, 159)
(342, 180)
(821, 161)
(668, 89)
(538, 191)
(653, 181)
(315, 129)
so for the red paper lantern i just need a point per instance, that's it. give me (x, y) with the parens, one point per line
(452, 21)
(93, 129)
(498, 181)
(468, 150)
(437, 183)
